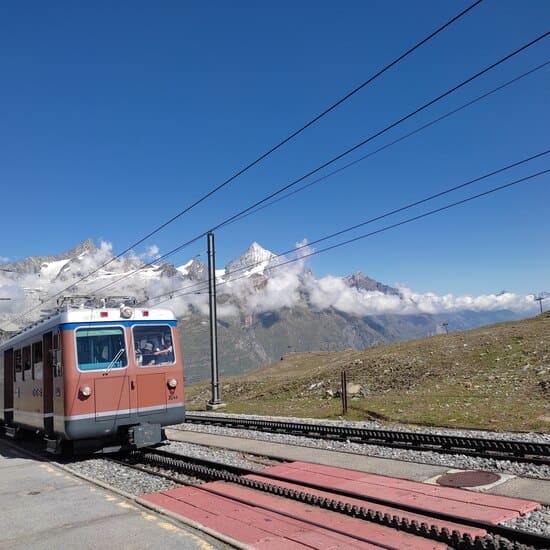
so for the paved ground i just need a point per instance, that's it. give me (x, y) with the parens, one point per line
(531, 489)
(43, 507)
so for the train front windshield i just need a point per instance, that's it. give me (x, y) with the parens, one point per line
(101, 348)
(153, 345)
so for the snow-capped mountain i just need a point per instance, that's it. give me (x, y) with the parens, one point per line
(267, 304)
(254, 261)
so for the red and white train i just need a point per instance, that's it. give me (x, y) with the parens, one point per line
(94, 378)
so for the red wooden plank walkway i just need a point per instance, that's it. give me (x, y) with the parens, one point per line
(451, 526)
(460, 502)
(270, 522)
(263, 521)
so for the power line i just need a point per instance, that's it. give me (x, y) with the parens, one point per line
(324, 165)
(393, 226)
(391, 143)
(283, 142)
(429, 213)
(308, 124)
(379, 217)
(338, 157)
(247, 210)
(384, 130)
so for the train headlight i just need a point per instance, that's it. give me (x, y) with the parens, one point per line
(85, 391)
(126, 312)
(172, 383)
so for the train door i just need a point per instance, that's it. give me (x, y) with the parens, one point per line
(18, 387)
(2, 396)
(153, 352)
(8, 386)
(58, 384)
(112, 384)
(102, 364)
(47, 382)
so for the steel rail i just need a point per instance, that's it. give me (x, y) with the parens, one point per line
(521, 451)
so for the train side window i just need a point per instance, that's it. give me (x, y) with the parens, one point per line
(27, 367)
(37, 360)
(18, 365)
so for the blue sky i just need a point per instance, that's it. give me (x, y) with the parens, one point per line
(115, 116)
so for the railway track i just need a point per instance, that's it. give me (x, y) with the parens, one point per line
(497, 449)
(417, 521)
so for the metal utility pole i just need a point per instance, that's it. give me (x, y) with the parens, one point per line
(446, 327)
(215, 401)
(539, 300)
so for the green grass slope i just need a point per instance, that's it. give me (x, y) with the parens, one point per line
(496, 377)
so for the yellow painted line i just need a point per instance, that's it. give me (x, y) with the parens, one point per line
(126, 506)
(167, 526)
(174, 529)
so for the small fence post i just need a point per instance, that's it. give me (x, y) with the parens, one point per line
(344, 392)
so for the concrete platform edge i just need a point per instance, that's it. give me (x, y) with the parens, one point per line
(138, 500)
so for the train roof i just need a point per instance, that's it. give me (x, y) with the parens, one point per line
(90, 315)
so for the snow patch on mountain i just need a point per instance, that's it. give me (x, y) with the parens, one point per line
(254, 261)
(49, 270)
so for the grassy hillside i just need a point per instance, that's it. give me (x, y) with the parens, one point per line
(248, 341)
(496, 377)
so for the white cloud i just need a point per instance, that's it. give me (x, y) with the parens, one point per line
(333, 292)
(433, 303)
(151, 253)
(286, 286)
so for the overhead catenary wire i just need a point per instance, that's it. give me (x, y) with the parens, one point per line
(319, 168)
(252, 207)
(324, 165)
(384, 130)
(393, 142)
(377, 218)
(386, 228)
(283, 142)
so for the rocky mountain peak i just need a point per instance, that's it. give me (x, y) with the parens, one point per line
(255, 260)
(194, 269)
(86, 246)
(360, 281)
(35, 264)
